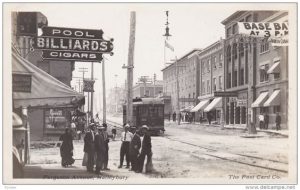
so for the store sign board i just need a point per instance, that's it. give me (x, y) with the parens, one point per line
(225, 94)
(241, 102)
(73, 44)
(21, 83)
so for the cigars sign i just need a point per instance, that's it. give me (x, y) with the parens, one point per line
(73, 44)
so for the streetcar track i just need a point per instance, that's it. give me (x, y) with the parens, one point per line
(119, 126)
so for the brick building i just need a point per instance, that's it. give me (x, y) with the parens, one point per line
(148, 89)
(255, 71)
(188, 70)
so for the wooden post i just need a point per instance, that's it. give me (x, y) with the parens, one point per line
(103, 86)
(92, 93)
(130, 66)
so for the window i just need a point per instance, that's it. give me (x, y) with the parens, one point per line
(220, 83)
(228, 32)
(264, 46)
(215, 84)
(208, 65)
(242, 76)
(208, 87)
(214, 62)
(228, 54)
(241, 48)
(220, 60)
(203, 66)
(203, 87)
(193, 95)
(263, 75)
(234, 79)
(234, 29)
(276, 76)
(229, 80)
(234, 51)
(276, 109)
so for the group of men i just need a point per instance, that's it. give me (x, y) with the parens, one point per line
(136, 150)
(96, 148)
(264, 121)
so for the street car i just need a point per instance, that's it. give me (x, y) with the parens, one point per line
(147, 111)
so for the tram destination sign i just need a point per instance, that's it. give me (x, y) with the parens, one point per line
(73, 44)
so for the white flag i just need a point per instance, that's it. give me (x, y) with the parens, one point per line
(169, 46)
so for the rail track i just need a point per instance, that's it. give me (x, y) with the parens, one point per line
(249, 160)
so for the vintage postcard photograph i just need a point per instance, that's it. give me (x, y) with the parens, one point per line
(150, 93)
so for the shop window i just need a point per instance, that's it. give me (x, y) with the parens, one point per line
(276, 109)
(263, 75)
(264, 46)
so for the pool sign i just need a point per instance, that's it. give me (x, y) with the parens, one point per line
(73, 44)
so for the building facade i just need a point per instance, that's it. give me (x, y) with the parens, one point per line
(44, 122)
(248, 74)
(211, 60)
(188, 70)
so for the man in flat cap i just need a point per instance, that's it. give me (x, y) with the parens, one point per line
(89, 147)
(126, 137)
(134, 150)
(146, 149)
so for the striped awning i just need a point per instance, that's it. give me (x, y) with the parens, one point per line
(217, 102)
(200, 106)
(260, 100)
(274, 99)
(275, 68)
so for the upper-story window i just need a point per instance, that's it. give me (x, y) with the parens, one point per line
(220, 60)
(202, 66)
(214, 84)
(234, 28)
(220, 83)
(228, 32)
(208, 65)
(208, 87)
(203, 87)
(264, 46)
(263, 75)
(214, 62)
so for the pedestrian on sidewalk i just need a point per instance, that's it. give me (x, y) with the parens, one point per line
(278, 121)
(146, 150)
(114, 133)
(126, 138)
(106, 141)
(266, 117)
(209, 117)
(174, 116)
(261, 121)
(134, 150)
(100, 149)
(66, 148)
(89, 147)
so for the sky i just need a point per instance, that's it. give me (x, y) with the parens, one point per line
(192, 25)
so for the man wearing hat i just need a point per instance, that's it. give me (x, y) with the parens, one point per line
(134, 150)
(100, 149)
(89, 147)
(126, 138)
(146, 148)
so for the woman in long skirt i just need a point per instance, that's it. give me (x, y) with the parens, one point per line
(66, 149)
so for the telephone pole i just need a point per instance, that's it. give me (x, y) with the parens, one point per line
(103, 86)
(92, 93)
(129, 67)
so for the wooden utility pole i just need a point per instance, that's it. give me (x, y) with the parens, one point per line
(92, 93)
(103, 89)
(177, 92)
(130, 66)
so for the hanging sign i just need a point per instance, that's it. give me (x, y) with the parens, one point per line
(73, 44)
(276, 32)
(88, 85)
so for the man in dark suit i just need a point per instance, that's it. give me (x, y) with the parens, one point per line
(89, 147)
(146, 148)
(278, 121)
(134, 150)
(100, 149)
(106, 141)
(266, 121)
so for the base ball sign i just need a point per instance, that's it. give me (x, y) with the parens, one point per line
(73, 44)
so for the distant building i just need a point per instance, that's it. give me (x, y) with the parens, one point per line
(149, 89)
(115, 99)
(188, 70)
(211, 79)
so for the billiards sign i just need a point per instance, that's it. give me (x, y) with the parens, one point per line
(73, 44)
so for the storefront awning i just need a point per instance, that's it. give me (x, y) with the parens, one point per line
(200, 106)
(186, 109)
(217, 102)
(274, 99)
(275, 68)
(260, 100)
(45, 89)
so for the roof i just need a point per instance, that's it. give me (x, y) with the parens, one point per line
(45, 89)
(182, 57)
(232, 16)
